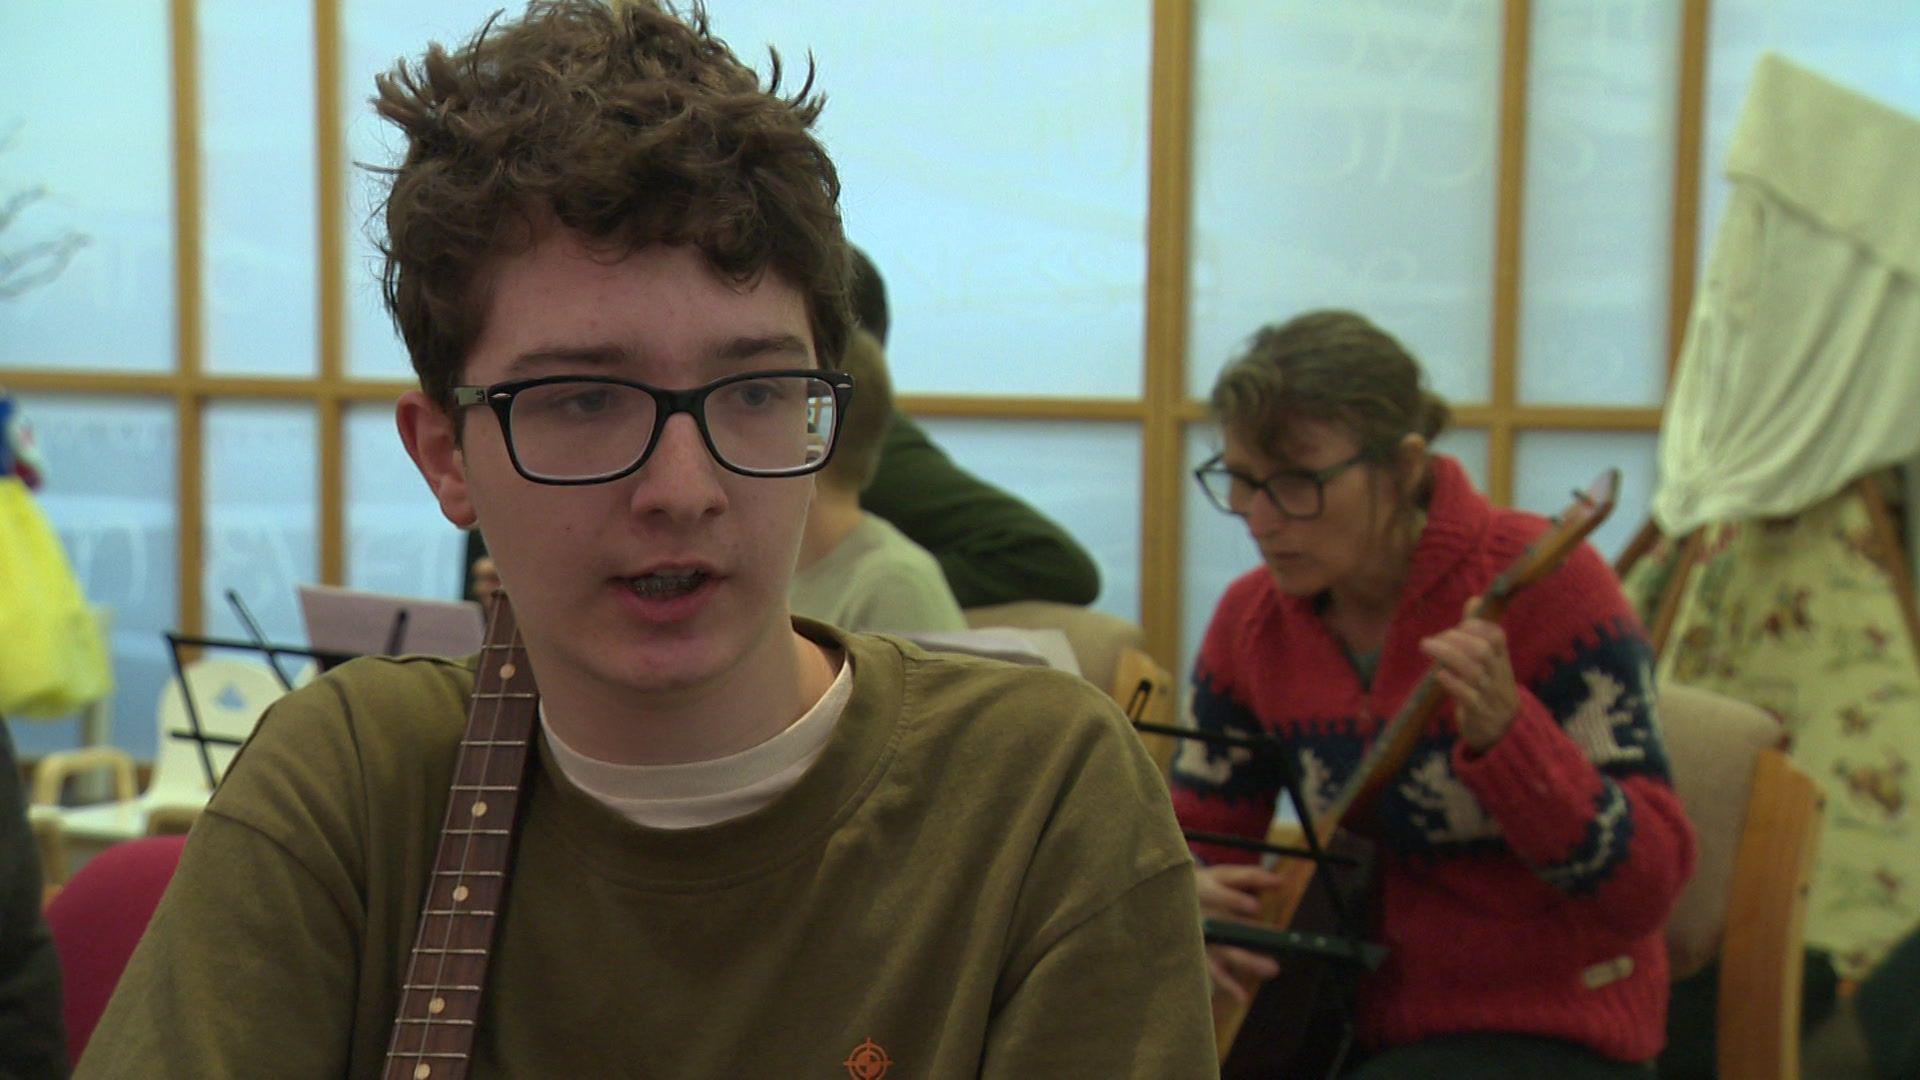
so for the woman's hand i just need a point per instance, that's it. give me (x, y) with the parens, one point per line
(1471, 664)
(1233, 892)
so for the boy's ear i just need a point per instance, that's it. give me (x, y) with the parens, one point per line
(427, 430)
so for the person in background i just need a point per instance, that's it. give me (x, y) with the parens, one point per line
(1533, 845)
(741, 847)
(993, 547)
(483, 578)
(19, 457)
(856, 571)
(32, 1040)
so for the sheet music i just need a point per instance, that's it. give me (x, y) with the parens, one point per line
(1047, 648)
(351, 621)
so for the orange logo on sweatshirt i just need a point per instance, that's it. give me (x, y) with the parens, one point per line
(869, 1061)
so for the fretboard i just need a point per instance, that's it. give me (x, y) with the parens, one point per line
(446, 974)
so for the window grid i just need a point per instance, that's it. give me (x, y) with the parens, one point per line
(1164, 412)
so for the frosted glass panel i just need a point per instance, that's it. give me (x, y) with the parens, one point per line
(1469, 447)
(1549, 466)
(85, 114)
(1872, 46)
(375, 33)
(1344, 157)
(1085, 476)
(261, 515)
(1216, 548)
(994, 163)
(397, 542)
(1599, 191)
(110, 495)
(259, 174)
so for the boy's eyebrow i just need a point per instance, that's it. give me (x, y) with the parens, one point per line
(733, 350)
(750, 346)
(533, 361)
(1274, 467)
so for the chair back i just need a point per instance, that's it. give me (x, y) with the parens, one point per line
(228, 695)
(1147, 692)
(1756, 818)
(1096, 637)
(96, 920)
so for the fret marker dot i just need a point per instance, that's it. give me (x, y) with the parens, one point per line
(437, 1006)
(459, 893)
(479, 809)
(421, 1072)
(507, 671)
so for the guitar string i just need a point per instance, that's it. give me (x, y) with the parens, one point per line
(500, 615)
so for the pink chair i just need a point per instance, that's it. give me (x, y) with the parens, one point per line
(97, 919)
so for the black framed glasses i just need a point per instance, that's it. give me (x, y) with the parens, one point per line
(1299, 494)
(589, 429)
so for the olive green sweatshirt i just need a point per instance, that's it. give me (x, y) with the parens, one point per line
(980, 876)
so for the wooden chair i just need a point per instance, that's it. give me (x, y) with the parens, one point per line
(1147, 692)
(229, 695)
(1097, 638)
(1109, 651)
(50, 778)
(51, 845)
(1756, 817)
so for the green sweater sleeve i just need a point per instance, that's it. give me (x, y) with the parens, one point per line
(233, 982)
(251, 964)
(992, 547)
(1123, 994)
(1109, 975)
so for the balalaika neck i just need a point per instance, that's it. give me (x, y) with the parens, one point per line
(446, 974)
(1389, 750)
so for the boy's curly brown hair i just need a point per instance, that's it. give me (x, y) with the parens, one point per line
(631, 125)
(863, 430)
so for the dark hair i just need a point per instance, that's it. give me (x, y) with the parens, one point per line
(629, 125)
(856, 454)
(1328, 365)
(868, 291)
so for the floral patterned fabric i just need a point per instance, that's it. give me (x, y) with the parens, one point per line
(1801, 616)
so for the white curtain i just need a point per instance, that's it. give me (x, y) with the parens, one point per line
(1801, 367)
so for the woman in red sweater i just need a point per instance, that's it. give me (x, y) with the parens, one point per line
(1532, 846)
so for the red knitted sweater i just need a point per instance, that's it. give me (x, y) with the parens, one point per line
(1522, 890)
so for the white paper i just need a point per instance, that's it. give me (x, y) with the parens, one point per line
(351, 621)
(1046, 648)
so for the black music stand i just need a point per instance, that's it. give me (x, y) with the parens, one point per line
(195, 731)
(1311, 1016)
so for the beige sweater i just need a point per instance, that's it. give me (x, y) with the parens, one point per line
(876, 580)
